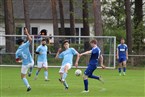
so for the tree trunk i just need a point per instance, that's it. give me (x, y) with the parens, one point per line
(26, 14)
(86, 31)
(72, 18)
(55, 23)
(138, 12)
(9, 28)
(9, 25)
(128, 25)
(62, 31)
(97, 17)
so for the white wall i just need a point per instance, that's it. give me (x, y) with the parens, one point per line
(2, 39)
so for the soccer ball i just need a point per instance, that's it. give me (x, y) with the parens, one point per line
(143, 40)
(78, 72)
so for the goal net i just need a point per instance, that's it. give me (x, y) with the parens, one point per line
(107, 44)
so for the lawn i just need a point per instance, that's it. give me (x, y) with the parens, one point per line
(131, 85)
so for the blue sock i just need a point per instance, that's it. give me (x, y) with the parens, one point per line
(94, 77)
(86, 84)
(31, 68)
(65, 83)
(64, 76)
(119, 70)
(26, 82)
(124, 69)
(37, 72)
(46, 74)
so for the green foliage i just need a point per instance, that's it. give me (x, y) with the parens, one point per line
(139, 35)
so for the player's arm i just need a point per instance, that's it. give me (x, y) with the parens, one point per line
(77, 60)
(48, 52)
(58, 52)
(37, 51)
(86, 53)
(127, 54)
(101, 61)
(117, 54)
(27, 33)
(18, 60)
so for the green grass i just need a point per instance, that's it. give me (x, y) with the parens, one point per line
(131, 85)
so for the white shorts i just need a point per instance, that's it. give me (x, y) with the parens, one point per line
(25, 68)
(42, 64)
(62, 67)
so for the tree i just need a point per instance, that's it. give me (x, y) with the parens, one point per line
(72, 18)
(55, 23)
(26, 14)
(9, 25)
(138, 26)
(128, 25)
(97, 17)
(62, 31)
(138, 12)
(86, 31)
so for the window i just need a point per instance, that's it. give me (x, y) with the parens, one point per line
(67, 31)
(34, 30)
(18, 30)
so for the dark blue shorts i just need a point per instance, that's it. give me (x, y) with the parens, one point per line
(120, 60)
(90, 69)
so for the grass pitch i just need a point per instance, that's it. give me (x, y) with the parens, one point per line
(131, 85)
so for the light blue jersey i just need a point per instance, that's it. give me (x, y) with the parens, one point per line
(67, 56)
(42, 57)
(23, 53)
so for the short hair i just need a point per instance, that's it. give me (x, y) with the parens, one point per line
(122, 38)
(65, 41)
(43, 40)
(19, 41)
(93, 41)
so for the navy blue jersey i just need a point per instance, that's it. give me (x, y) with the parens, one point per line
(95, 55)
(122, 48)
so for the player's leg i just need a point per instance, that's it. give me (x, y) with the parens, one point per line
(90, 73)
(124, 67)
(85, 78)
(63, 73)
(64, 82)
(46, 73)
(37, 73)
(120, 66)
(39, 66)
(24, 70)
(66, 68)
(30, 68)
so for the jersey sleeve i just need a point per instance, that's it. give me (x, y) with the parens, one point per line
(27, 44)
(74, 51)
(38, 49)
(126, 48)
(61, 55)
(17, 54)
(94, 51)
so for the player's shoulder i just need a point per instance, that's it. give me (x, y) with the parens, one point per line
(71, 48)
(96, 49)
(125, 45)
(119, 45)
(40, 46)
